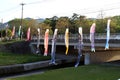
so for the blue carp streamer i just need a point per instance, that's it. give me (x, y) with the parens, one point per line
(53, 49)
(108, 35)
(80, 45)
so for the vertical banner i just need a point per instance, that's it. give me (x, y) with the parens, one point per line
(28, 34)
(38, 41)
(80, 44)
(67, 40)
(46, 39)
(13, 31)
(53, 49)
(92, 37)
(108, 35)
(19, 31)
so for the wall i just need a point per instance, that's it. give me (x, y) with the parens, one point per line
(106, 56)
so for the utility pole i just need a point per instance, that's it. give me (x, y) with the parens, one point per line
(22, 4)
(1, 28)
(102, 18)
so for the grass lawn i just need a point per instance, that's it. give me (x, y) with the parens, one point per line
(89, 72)
(10, 58)
(11, 41)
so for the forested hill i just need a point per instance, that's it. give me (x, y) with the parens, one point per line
(61, 23)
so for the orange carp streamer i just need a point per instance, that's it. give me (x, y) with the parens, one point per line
(67, 40)
(46, 39)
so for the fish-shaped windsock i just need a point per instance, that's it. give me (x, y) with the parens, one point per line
(67, 40)
(46, 39)
(108, 34)
(81, 33)
(38, 30)
(53, 47)
(38, 41)
(80, 44)
(92, 33)
(54, 41)
(13, 31)
(28, 34)
(19, 31)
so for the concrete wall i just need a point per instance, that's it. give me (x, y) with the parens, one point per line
(106, 56)
(16, 47)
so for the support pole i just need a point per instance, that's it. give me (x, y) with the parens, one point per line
(87, 59)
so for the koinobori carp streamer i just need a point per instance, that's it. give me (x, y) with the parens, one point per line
(46, 39)
(67, 40)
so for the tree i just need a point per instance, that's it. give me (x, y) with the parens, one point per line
(73, 20)
(33, 24)
(101, 25)
(62, 24)
(80, 21)
(86, 24)
(43, 28)
(14, 22)
(9, 33)
(116, 22)
(52, 22)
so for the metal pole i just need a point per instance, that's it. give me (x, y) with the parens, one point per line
(87, 59)
(1, 28)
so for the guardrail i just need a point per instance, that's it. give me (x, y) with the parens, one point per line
(85, 36)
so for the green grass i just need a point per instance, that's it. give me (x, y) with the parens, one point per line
(10, 58)
(90, 72)
(10, 41)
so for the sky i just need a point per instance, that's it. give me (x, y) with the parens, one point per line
(11, 9)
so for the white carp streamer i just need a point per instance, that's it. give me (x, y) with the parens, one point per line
(108, 34)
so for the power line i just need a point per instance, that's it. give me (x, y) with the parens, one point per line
(37, 2)
(87, 12)
(13, 8)
(100, 10)
(10, 9)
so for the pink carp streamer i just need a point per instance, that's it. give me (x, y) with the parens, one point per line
(46, 39)
(108, 34)
(67, 40)
(92, 37)
(28, 34)
(13, 31)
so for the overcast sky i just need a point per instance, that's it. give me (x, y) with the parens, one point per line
(10, 9)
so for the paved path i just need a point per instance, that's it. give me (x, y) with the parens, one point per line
(114, 63)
